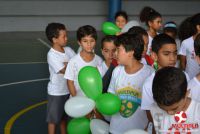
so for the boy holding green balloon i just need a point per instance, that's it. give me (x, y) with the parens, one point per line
(86, 36)
(126, 82)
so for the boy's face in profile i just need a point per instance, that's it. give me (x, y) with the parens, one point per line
(166, 56)
(122, 55)
(87, 43)
(108, 51)
(176, 107)
(61, 40)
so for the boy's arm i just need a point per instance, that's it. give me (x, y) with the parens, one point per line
(62, 71)
(183, 61)
(71, 87)
(149, 117)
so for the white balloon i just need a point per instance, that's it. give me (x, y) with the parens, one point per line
(129, 25)
(98, 126)
(79, 106)
(136, 131)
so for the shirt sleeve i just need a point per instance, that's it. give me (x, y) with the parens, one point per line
(55, 63)
(70, 52)
(183, 48)
(112, 85)
(70, 72)
(147, 95)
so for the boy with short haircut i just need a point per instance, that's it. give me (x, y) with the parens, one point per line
(126, 82)
(194, 84)
(57, 58)
(142, 33)
(86, 36)
(174, 111)
(164, 53)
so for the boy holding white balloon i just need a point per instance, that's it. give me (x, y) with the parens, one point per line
(57, 58)
(126, 82)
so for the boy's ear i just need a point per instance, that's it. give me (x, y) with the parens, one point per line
(154, 56)
(188, 93)
(130, 53)
(198, 28)
(54, 40)
(79, 43)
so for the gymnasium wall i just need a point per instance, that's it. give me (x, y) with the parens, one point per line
(34, 15)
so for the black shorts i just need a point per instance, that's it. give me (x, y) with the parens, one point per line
(55, 108)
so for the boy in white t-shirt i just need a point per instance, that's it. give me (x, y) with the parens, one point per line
(174, 111)
(194, 84)
(126, 82)
(57, 58)
(86, 36)
(164, 53)
(186, 52)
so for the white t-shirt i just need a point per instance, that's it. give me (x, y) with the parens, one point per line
(57, 84)
(194, 87)
(103, 68)
(187, 49)
(75, 65)
(163, 121)
(149, 45)
(129, 88)
(147, 94)
(143, 61)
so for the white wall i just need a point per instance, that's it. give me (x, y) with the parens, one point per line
(32, 15)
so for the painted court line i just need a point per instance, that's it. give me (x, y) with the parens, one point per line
(11, 121)
(43, 42)
(22, 82)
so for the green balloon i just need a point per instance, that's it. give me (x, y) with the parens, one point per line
(90, 82)
(108, 104)
(109, 28)
(79, 126)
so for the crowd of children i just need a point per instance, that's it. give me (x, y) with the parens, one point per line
(140, 66)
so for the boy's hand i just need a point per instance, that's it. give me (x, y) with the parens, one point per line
(65, 63)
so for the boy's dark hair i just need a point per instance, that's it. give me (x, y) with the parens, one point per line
(137, 30)
(121, 13)
(131, 43)
(170, 27)
(52, 30)
(169, 86)
(188, 27)
(108, 38)
(148, 14)
(86, 30)
(197, 45)
(161, 40)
